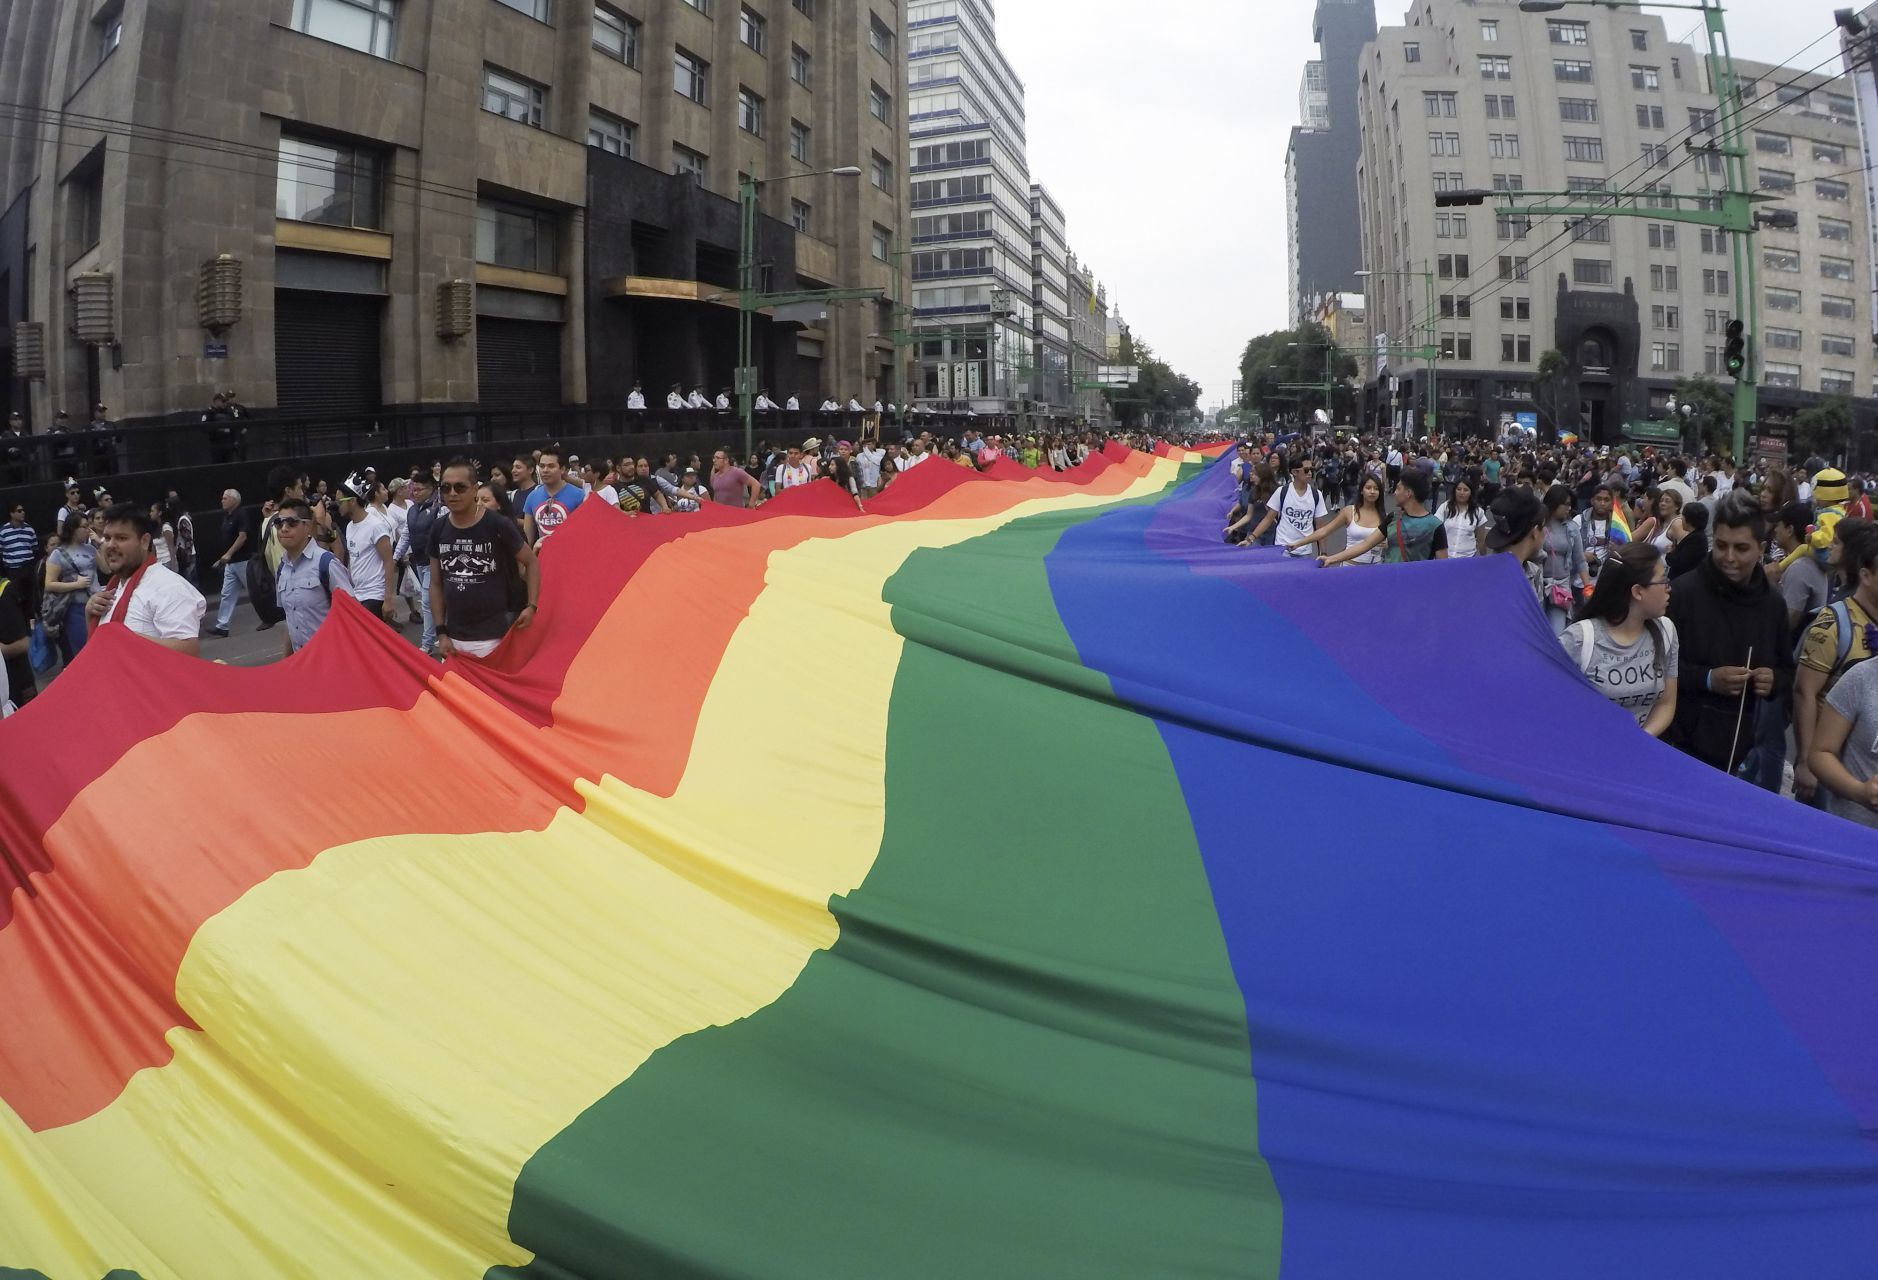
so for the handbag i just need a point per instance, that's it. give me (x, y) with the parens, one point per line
(1560, 596)
(41, 651)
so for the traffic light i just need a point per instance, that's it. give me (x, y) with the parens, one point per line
(1735, 355)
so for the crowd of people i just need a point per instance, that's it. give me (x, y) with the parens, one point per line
(449, 550)
(1728, 608)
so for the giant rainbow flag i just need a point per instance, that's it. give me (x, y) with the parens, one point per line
(1008, 881)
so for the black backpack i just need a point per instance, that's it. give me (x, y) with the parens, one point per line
(262, 593)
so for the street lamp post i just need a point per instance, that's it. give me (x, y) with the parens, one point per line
(1736, 214)
(1429, 351)
(750, 300)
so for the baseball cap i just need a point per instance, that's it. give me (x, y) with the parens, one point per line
(1516, 513)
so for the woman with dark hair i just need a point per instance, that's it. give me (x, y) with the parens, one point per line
(71, 571)
(1668, 512)
(1464, 519)
(1690, 534)
(1622, 642)
(1363, 518)
(1562, 565)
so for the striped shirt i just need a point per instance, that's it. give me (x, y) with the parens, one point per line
(18, 544)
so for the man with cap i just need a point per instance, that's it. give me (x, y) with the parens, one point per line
(367, 549)
(149, 598)
(674, 399)
(1518, 530)
(16, 449)
(636, 398)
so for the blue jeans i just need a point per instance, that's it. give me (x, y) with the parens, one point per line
(422, 573)
(232, 581)
(72, 636)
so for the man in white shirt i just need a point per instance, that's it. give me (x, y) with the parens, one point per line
(797, 470)
(151, 599)
(854, 404)
(723, 399)
(696, 399)
(764, 404)
(829, 406)
(867, 462)
(915, 455)
(793, 406)
(674, 399)
(1298, 509)
(368, 545)
(636, 398)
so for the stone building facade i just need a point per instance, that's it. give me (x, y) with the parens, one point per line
(355, 157)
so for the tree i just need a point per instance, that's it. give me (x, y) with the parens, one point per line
(1159, 395)
(1714, 410)
(1297, 357)
(1549, 383)
(1824, 429)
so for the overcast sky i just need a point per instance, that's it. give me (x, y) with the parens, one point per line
(1161, 130)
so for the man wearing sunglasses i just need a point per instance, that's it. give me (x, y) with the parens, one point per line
(477, 559)
(308, 574)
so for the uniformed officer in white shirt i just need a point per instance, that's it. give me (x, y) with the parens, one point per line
(636, 398)
(794, 405)
(764, 404)
(696, 399)
(723, 400)
(151, 599)
(674, 399)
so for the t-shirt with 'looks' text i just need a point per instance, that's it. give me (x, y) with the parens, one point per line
(1627, 674)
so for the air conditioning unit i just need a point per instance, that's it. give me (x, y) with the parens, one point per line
(29, 350)
(218, 293)
(456, 309)
(94, 308)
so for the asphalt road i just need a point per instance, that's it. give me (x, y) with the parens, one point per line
(246, 645)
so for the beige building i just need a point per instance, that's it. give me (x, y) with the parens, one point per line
(527, 202)
(1478, 95)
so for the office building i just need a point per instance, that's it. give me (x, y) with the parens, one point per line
(1088, 338)
(1470, 96)
(1323, 246)
(971, 224)
(337, 205)
(1049, 269)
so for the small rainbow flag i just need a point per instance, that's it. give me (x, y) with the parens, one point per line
(1568, 438)
(1620, 526)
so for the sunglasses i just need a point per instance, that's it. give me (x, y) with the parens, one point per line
(290, 522)
(456, 486)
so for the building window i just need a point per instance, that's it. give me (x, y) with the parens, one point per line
(1662, 235)
(1787, 300)
(1444, 144)
(1826, 189)
(1457, 346)
(1835, 382)
(1591, 270)
(84, 195)
(1515, 348)
(1665, 317)
(1784, 339)
(1649, 117)
(610, 133)
(365, 25)
(879, 105)
(1666, 357)
(511, 235)
(329, 184)
(1656, 153)
(1411, 52)
(882, 243)
(691, 76)
(1715, 281)
(882, 173)
(1648, 79)
(1664, 279)
(1594, 230)
(108, 30)
(1584, 150)
(1452, 266)
(513, 97)
(1828, 153)
(1451, 226)
(1835, 308)
(1776, 180)
(1571, 71)
(1578, 110)
(1489, 31)
(1780, 260)
(1841, 108)
(1714, 240)
(1773, 144)
(1835, 268)
(753, 30)
(616, 35)
(536, 9)
(1777, 374)
(1502, 146)
(702, 6)
(749, 112)
(1512, 308)
(1790, 95)
(695, 163)
(1495, 67)
(1639, 40)
(1500, 106)
(1573, 33)
(1438, 104)
(879, 37)
(799, 142)
(805, 7)
(801, 216)
(801, 66)
(1512, 268)
(1835, 344)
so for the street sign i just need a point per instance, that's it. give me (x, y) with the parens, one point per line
(746, 380)
(1773, 442)
(213, 350)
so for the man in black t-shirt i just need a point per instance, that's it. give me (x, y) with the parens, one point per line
(474, 556)
(15, 640)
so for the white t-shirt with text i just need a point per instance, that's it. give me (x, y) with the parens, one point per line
(1298, 514)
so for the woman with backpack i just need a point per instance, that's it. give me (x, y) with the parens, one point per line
(71, 572)
(1622, 642)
